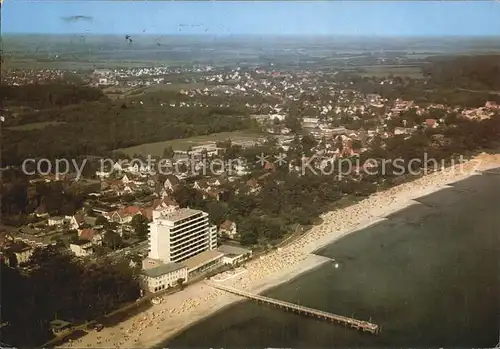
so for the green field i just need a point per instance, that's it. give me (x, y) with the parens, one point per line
(156, 149)
(174, 87)
(35, 126)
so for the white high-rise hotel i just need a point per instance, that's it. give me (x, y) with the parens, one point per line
(179, 235)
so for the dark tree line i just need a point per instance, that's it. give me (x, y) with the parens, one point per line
(464, 81)
(49, 95)
(478, 72)
(98, 128)
(61, 286)
(20, 198)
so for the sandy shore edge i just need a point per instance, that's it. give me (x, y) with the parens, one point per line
(198, 301)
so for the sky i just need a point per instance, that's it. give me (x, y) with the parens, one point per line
(356, 18)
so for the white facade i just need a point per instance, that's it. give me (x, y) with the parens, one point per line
(213, 237)
(234, 255)
(164, 276)
(55, 221)
(82, 249)
(179, 235)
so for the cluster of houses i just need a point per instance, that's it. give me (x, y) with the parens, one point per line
(85, 231)
(18, 77)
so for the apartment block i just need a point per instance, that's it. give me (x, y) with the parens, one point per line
(180, 235)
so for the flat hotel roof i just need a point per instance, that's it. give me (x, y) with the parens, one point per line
(162, 269)
(201, 259)
(180, 214)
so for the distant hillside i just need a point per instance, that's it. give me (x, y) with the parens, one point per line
(479, 72)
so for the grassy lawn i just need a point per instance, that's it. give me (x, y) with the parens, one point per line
(156, 149)
(175, 87)
(35, 126)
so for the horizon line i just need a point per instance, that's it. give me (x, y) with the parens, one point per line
(262, 35)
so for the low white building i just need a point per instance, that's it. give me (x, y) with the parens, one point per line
(204, 262)
(158, 276)
(82, 248)
(234, 254)
(55, 221)
(403, 130)
(279, 117)
(17, 252)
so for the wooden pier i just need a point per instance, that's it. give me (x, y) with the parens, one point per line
(364, 326)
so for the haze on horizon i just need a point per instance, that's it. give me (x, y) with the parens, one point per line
(333, 18)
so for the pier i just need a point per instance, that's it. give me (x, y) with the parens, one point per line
(364, 326)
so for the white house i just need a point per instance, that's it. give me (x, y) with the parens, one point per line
(19, 250)
(228, 228)
(55, 221)
(117, 167)
(103, 174)
(90, 235)
(171, 183)
(241, 170)
(126, 180)
(133, 168)
(279, 117)
(233, 254)
(82, 248)
(158, 276)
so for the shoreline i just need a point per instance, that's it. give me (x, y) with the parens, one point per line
(183, 309)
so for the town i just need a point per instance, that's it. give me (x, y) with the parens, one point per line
(195, 221)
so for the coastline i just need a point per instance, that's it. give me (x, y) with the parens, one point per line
(183, 309)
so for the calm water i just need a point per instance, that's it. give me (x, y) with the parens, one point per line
(429, 275)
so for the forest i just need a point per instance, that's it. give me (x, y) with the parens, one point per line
(51, 95)
(98, 128)
(460, 81)
(61, 286)
(478, 72)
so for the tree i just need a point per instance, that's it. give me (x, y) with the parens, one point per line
(186, 196)
(61, 286)
(217, 212)
(168, 152)
(248, 231)
(242, 205)
(308, 142)
(140, 226)
(293, 123)
(356, 144)
(112, 240)
(180, 283)
(226, 145)
(100, 220)
(128, 197)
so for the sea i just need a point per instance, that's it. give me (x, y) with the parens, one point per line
(429, 275)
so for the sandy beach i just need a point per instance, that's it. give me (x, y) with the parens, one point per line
(197, 301)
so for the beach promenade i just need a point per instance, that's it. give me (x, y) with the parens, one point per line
(182, 309)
